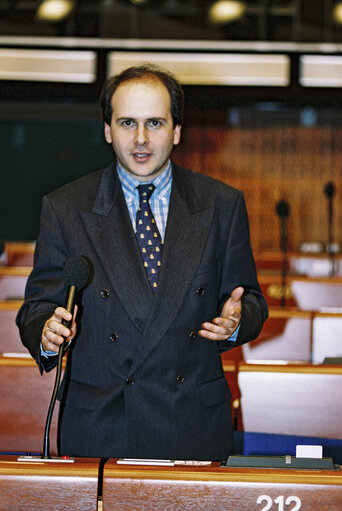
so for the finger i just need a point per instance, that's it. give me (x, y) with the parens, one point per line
(57, 328)
(73, 327)
(61, 313)
(51, 341)
(54, 332)
(212, 336)
(218, 329)
(222, 324)
(48, 345)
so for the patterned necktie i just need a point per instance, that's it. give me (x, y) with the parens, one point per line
(148, 236)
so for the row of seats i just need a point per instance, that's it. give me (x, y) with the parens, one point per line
(283, 399)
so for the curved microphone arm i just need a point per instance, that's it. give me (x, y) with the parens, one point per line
(283, 211)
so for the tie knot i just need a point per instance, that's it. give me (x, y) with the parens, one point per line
(145, 191)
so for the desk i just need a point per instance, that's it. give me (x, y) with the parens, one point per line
(134, 488)
(48, 486)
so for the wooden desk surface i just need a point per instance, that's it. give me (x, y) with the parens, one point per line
(136, 488)
(15, 271)
(10, 304)
(46, 486)
(292, 368)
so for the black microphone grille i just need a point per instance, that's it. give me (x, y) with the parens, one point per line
(329, 189)
(76, 271)
(283, 208)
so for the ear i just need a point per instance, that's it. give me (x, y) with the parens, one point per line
(107, 133)
(177, 134)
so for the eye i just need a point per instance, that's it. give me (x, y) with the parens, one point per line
(127, 123)
(154, 123)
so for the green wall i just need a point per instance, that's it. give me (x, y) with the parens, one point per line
(37, 157)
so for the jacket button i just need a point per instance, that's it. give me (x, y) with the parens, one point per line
(192, 336)
(104, 293)
(200, 291)
(130, 381)
(180, 378)
(113, 337)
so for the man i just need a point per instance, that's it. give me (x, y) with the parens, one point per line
(144, 377)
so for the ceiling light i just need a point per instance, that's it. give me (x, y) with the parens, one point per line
(225, 11)
(54, 10)
(337, 12)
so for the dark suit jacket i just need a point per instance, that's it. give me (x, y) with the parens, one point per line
(139, 382)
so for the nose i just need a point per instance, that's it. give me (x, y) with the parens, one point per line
(141, 137)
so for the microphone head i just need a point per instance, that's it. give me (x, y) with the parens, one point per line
(329, 189)
(283, 208)
(76, 271)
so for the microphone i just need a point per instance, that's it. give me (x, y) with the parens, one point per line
(329, 189)
(283, 208)
(76, 273)
(283, 211)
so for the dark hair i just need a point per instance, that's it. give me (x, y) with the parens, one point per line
(147, 71)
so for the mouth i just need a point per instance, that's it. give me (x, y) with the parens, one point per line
(141, 157)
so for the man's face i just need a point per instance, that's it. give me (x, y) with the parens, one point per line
(141, 130)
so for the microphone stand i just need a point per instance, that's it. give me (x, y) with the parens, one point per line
(69, 305)
(329, 192)
(46, 446)
(283, 211)
(284, 265)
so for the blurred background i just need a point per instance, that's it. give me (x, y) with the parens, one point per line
(262, 80)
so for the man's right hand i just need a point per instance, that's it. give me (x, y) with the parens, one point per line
(54, 333)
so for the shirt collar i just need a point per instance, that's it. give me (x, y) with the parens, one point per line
(130, 183)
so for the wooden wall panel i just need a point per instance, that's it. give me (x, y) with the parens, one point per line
(269, 163)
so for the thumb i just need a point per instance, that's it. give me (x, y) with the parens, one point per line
(236, 295)
(233, 304)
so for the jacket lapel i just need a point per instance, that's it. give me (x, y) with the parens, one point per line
(111, 233)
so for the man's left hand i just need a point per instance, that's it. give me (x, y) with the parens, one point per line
(223, 327)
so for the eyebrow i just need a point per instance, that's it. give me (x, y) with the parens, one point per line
(128, 118)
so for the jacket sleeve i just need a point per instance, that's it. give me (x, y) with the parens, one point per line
(45, 288)
(239, 270)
